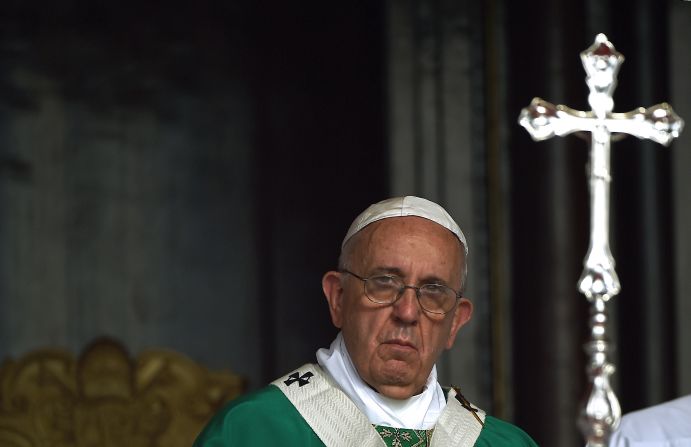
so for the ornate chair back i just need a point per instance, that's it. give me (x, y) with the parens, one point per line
(106, 398)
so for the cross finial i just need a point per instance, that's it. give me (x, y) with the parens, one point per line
(601, 63)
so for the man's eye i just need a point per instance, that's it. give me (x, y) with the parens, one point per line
(435, 289)
(384, 281)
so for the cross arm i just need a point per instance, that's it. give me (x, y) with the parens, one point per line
(658, 123)
(543, 120)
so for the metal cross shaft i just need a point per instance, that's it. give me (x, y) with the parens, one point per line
(599, 281)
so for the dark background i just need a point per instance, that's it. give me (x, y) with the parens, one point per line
(181, 174)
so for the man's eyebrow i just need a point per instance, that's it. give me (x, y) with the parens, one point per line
(431, 279)
(387, 270)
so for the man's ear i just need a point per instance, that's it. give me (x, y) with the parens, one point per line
(331, 284)
(461, 315)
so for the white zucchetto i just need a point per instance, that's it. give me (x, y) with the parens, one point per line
(406, 206)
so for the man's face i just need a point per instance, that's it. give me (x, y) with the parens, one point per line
(395, 346)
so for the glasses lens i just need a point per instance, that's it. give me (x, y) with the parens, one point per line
(437, 298)
(383, 289)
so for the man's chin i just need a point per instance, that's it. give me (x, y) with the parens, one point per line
(397, 380)
(398, 392)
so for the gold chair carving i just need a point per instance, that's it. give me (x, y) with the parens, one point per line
(106, 398)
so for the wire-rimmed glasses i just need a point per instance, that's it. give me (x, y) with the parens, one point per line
(387, 289)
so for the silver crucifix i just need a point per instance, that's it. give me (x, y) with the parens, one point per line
(599, 282)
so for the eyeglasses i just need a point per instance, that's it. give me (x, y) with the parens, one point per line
(387, 289)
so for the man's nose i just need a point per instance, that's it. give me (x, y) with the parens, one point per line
(407, 308)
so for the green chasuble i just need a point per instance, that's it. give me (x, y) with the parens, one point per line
(267, 418)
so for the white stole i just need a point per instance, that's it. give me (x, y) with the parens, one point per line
(339, 423)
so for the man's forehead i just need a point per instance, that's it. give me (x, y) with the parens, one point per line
(385, 247)
(378, 238)
(403, 227)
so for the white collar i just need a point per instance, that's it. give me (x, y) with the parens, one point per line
(417, 412)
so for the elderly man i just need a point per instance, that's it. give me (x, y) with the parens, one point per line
(397, 299)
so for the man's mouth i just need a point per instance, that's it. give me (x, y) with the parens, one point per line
(400, 343)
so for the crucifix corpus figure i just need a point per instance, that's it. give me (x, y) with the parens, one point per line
(601, 412)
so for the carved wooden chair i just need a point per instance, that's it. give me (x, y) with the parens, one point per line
(106, 398)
